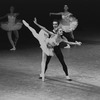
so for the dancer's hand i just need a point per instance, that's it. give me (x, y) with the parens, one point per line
(50, 14)
(35, 20)
(25, 23)
(78, 43)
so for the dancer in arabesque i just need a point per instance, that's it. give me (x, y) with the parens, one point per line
(47, 45)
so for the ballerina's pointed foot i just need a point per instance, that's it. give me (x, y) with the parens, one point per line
(68, 46)
(35, 20)
(13, 49)
(42, 77)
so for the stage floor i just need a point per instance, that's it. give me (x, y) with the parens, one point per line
(20, 69)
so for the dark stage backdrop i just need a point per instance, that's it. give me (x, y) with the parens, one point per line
(86, 11)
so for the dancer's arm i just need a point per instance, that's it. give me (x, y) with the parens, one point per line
(60, 13)
(49, 32)
(35, 34)
(3, 17)
(71, 43)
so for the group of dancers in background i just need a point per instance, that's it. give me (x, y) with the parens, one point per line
(49, 40)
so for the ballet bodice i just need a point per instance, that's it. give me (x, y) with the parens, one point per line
(11, 19)
(65, 15)
(54, 40)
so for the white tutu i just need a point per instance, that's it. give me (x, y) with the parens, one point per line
(11, 25)
(69, 25)
(43, 36)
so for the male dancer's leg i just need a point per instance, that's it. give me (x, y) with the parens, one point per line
(47, 62)
(59, 55)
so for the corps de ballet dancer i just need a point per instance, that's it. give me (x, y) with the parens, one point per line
(47, 44)
(68, 23)
(12, 25)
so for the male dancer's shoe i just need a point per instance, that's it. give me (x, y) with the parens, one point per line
(68, 78)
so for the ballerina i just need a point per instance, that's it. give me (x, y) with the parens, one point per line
(13, 25)
(67, 23)
(47, 44)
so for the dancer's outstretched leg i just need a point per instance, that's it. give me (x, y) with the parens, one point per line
(35, 34)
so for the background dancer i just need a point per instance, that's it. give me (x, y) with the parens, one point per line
(48, 44)
(13, 25)
(68, 23)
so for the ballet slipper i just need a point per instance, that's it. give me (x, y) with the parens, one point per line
(68, 46)
(42, 76)
(13, 49)
(68, 78)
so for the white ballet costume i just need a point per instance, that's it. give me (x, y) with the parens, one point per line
(68, 24)
(46, 43)
(43, 40)
(11, 25)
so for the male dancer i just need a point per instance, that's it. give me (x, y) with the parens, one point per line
(53, 41)
(58, 53)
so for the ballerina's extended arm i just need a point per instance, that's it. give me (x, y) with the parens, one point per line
(3, 17)
(71, 43)
(60, 13)
(49, 32)
(35, 34)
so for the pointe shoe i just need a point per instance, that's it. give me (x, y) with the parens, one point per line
(68, 46)
(42, 77)
(13, 49)
(68, 78)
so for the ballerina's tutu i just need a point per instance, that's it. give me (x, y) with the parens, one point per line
(7, 26)
(69, 25)
(43, 36)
